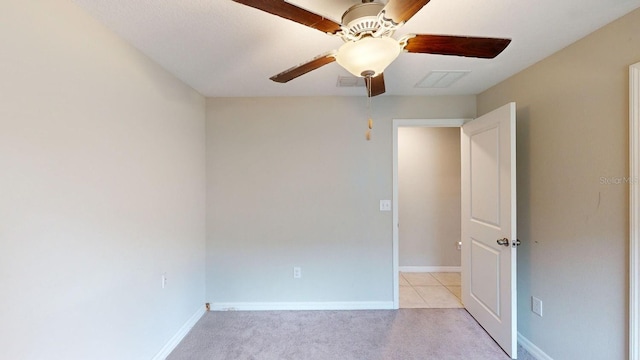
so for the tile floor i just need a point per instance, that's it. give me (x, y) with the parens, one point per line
(430, 290)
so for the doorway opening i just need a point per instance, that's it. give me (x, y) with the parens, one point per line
(488, 219)
(427, 267)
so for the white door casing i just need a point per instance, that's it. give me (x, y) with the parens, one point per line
(488, 215)
(634, 212)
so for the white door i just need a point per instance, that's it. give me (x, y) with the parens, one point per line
(489, 224)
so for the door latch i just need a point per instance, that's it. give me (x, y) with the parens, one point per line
(506, 242)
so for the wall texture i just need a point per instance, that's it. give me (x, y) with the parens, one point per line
(572, 148)
(429, 196)
(102, 188)
(293, 182)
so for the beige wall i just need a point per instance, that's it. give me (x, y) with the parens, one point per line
(572, 123)
(101, 191)
(292, 182)
(429, 196)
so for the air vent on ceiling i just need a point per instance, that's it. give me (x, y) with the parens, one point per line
(350, 81)
(441, 79)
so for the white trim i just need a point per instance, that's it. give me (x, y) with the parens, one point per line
(264, 306)
(177, 338)
(429, 122)
(415, 269)
(532, 349)
(408, 123)
(634, 213)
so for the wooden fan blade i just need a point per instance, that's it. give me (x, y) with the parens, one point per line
(288, 11)
(399, 11)
(487, 48)
(375, 85)
(302, 69)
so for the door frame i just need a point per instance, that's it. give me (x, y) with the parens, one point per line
(634, 211)
(398, 123)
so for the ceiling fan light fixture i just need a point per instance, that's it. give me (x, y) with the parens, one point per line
(368, 54)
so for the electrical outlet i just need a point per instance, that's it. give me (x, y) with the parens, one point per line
(459, 245)
(297, 272)
(536, 306)
(164, 280)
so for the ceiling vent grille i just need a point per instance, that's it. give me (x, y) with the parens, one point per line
(350, 81)
(441, 79)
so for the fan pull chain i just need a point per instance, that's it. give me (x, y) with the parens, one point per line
(368, 133)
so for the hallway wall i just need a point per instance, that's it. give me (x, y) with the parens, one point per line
(429, 196)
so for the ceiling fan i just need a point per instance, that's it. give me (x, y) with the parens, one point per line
(369, 47)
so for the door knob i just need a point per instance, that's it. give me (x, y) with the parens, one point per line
(503, 242)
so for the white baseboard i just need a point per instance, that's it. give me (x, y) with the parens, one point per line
(262, 306)
(532, 349)
(175, 339)
(429, 268)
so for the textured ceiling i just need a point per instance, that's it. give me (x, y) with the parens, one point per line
(222, 48)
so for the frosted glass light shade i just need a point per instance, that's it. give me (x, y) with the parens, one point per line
(368, 54)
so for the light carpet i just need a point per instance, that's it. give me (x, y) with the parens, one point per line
(404, 334)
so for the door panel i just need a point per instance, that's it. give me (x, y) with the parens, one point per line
(485, 285)
(489, 215)
(485, 176)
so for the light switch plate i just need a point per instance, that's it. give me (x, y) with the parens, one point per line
(385, 205)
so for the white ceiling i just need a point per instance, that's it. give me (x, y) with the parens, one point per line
(222, 48)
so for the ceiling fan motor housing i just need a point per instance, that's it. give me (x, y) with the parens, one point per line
(362, 19)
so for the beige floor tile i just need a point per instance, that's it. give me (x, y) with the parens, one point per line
(409, 298)
(456, 290)
(448, 278)
(420, 279)
(438, 297)
(403, 281)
